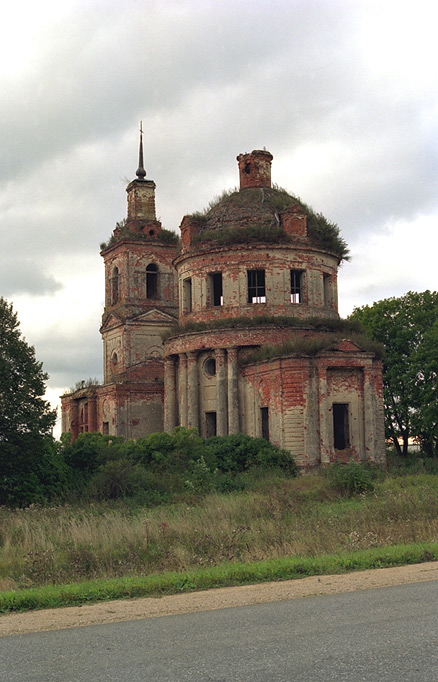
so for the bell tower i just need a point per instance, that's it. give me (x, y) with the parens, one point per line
(140, 304)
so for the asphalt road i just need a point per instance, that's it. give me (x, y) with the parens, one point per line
(387, 634)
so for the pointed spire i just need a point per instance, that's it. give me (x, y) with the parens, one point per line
(140, 172)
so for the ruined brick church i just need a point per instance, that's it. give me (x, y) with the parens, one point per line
(234, 328)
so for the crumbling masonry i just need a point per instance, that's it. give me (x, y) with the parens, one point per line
(249, 274)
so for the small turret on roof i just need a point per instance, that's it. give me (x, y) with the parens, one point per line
(141, 192)
(255, 169)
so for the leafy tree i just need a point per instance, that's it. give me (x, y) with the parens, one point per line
(26, 420)
(408, 328)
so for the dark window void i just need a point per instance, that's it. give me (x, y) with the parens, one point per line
(264, 414)
(187, 295)
(256, 286)
(152, 281)
(115, 286)
(296, 286)
(105, 428)
(210, 424)
(341, 429)
(216, 294)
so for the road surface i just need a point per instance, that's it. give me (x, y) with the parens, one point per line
(380, 635)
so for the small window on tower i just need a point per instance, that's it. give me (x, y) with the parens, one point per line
(296, 286)
(187, 295)
(114, 361)
(256, 286)
(152, 281)
(115, 286)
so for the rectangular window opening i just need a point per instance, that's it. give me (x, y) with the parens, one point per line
(105, 428)
(341, 429)
(256, 286)
(210, 424)
(216, 293)
(187, 295)
(296, 286)
(264, 414)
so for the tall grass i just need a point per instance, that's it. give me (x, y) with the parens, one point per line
(304, 517)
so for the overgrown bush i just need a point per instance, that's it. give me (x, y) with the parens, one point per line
(161, 467)
(238, 453)
(351, 478)
(117, 479)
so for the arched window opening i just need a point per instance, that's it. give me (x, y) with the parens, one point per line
(115, 286)
(114, 361)
(152, 281)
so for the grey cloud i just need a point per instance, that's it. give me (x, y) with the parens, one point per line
(21, 276)
(70, 358)
(209, 80)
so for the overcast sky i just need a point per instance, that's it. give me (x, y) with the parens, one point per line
(343, 93)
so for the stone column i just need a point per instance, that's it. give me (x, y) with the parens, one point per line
(92, 413)
(192, 390)
(221, 393)
(369, 444)
(182, 389)
(74, 418)
(325, 445)
(170, 420)
(233, 392)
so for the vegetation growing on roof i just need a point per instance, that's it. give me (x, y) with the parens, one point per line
(311, 346)
(201, 215)
(122, 231)
(88, 383)
(251, 234)
(348, 327)
(321, 231)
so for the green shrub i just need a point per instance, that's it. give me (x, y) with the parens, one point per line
(201, 478)
(352, 478)
(237, 453)
(117, 479)
(161, 467)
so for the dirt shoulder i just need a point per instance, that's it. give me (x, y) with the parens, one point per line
(227, 597)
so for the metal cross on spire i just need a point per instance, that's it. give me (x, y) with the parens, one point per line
(141, 173)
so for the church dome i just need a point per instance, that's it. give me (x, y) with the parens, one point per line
(257, 207)
(260, 212)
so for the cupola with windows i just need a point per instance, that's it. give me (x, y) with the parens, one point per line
(258, 250)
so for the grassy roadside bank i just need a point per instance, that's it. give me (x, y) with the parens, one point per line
(225, 575)
(280, 529)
